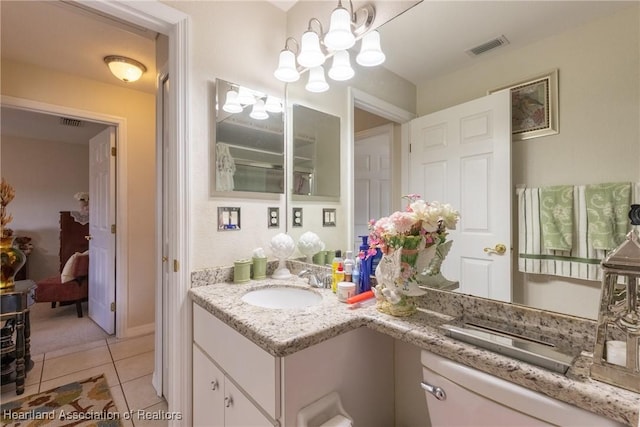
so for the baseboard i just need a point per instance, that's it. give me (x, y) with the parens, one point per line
(149, 328)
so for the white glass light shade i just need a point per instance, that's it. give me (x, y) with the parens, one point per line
(370, 53)
(231, 104)
(126, 69)
(246, 96)
(310, 53)
(287, 71)
(317, 82)
(341, 68)
(340, 36)
(273, 105)
(258, 112)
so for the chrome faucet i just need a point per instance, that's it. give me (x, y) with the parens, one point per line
(316, 280)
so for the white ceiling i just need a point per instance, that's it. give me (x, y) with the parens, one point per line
(60, 36)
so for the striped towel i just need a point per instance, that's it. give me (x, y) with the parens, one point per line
(607, 213)
(582, 261)
(556, 217)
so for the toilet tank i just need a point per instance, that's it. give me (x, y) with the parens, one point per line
(474, 398)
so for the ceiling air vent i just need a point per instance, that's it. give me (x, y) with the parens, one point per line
(487, 46)
(65, 121)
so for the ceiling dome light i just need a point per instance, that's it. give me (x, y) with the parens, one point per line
(310, 53)
(370, 53)
(317, 82)
(273, 104)
(340, 36)
(126, 69)
(287, 71)
(341, 68)
(231, 104)
(258, 112)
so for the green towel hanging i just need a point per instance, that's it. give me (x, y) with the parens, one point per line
(556, 217)
(607, 209)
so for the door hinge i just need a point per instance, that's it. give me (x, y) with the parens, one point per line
(409, 147)
(113, 229)
(176, 266)
(113, 307)
(113, 151)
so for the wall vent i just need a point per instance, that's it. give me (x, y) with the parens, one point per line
(65, 121)
(487, 46)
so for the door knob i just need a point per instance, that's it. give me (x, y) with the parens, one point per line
(499, 249)
(88, 237)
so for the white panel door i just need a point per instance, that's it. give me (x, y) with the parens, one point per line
(102, 289)
(462, 156)
(372, 178)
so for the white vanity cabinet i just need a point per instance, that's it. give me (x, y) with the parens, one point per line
(266, 390)
(235, 383)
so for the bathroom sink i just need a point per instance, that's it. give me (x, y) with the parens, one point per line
(282, 297)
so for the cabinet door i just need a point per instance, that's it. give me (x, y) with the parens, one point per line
(240, 411)
(208, 391)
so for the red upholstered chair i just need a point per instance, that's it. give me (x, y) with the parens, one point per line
(75, 290)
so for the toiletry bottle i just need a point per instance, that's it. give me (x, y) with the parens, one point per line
(349, 263)
(365, 266)
(337, 260)
(339, 277)
(355, 276)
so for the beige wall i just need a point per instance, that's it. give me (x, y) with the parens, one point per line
(238, 42)
(45, 175)
(52, 87)
(599, 139)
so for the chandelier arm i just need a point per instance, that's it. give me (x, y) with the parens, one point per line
(321, 33)
(286, 45)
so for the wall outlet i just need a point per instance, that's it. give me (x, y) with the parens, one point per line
(297, 217)
(273, 218)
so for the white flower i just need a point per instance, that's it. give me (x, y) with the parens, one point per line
(82, 196)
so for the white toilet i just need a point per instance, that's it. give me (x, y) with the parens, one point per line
(461, 396)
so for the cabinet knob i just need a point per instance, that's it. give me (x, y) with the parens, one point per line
(228, 401)
(89, 237)
(214, 385)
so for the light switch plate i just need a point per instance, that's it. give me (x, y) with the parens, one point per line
(228, 218)
(297, 217)
(328, 217)
(273, 218)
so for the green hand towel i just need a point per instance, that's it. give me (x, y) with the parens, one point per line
(607, 210)
(556, 217)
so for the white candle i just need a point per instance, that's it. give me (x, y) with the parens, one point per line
(617, 352)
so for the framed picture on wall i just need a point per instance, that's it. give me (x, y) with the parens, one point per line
(534, 106)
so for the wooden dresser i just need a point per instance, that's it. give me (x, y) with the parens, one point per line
(72, 237)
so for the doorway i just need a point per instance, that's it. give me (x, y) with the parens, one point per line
(37, 134)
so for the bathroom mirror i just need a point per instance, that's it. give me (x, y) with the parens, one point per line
(248, 156)
(316, 154)
(600, 23)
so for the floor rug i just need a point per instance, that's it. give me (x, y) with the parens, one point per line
(81, 403)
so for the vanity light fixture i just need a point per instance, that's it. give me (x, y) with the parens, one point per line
(236, 100)
(231, 103)
(346, 27)
(258, 111)
(126, 69)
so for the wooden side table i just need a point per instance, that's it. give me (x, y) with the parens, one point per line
(14, 304)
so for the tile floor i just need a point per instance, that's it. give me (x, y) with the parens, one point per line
(126, 363)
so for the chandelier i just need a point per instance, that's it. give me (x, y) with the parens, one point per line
(316, 47)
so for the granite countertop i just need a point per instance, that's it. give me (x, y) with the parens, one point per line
(293, 330)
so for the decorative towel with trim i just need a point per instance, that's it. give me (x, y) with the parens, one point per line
(556, 217)
(581, 262)
(607, 213)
